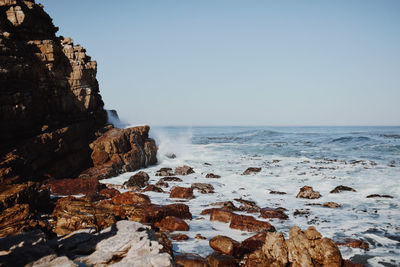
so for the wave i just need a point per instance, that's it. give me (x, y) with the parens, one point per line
(351, 139)
(390, 136)
(240, 137)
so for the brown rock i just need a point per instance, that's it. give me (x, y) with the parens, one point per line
(164, 172)
(308, 192)
(225, 245)
(109, 192)
(18, 219)
(227, 205)
(221, 215)
(254, 242)
(26, 193)
(354, 243)
(171, 179)
(251, 170)
(342, 188)
(179, 237)
(130, 198)
(248, 223)
(248, 205)
(212, 175)
(220, 260)
(277, 192)
(140, 179)
(184, 170)
(199, 236)
(203, 188)
(179, 210)
(181, 192)
(273, 213)
(190, 260)
(87, 186)
(162, 184)
(153, 188)
(348, 263)
(332, 205)
(170, 224)
(72, 214)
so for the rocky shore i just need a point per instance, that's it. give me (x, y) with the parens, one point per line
(56, 145)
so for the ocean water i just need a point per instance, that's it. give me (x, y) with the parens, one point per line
(364, 158)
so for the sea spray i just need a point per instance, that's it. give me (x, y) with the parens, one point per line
(113, 118)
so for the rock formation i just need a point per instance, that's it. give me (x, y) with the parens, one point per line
(50, 106)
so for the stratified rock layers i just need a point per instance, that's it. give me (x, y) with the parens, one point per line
(50, 106)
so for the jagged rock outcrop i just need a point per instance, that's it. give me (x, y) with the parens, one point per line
(50, 106)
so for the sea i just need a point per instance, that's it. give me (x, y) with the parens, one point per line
(366, 159)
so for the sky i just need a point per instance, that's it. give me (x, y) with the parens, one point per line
(231, 62)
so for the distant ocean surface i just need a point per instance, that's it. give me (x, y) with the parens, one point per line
(364, 158)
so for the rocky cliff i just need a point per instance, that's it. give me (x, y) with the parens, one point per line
(50, 106)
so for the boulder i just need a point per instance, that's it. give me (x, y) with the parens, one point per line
(220, 260)
(109, 192)
(179, 237)
(130, 244)
(130, 198)
(248, 205)
(342, 188)
(153, 188)
(308, 192)
(354, 243)
(170, 179)
(306, 248)
(181, 192)
(190, 260)
(179, 210)
(164, 172)
(72, 214)
(162, 184)
(171, 223)
(221, 215)
(269, 213)
(250, 224)
(251, 170)
(140, 180)
(184, 170)
(199, 236)
(212, 175)
(332, 205)
(203, 188)
(226, 245)
(77, 186)
(254, 242)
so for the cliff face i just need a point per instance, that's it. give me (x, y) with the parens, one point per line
(50, 106)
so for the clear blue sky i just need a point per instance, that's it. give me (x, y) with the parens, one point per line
(210, 62)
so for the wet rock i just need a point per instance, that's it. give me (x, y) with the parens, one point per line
(171, 223)
(153, 188)
(221, 215)
(199, 236)
(349, 263)
(181, 192)
(26, 193)
(109, 192)
(379, 196)
(306, 248)
(86, 186)
(179, 210)
(164, 172)
(278, 213)
(251, 170)
(203, 188)
(18, 219)
(72, 214)
(248, 205)
(301, 212)
(220, 260)
(212, 175)
(249, 223)
(190, 260)
(354, 243)
(179, 237)
(342, 188)
(127, 149)
(130, 198)
(162, 184)
(140, 180)
(332, 205)
(130, 245)
(308, 192)
(226, 205)
(254, 242)
(184, 170)
(170, 155)
(277, 192)
(225, 245)
(171, 179)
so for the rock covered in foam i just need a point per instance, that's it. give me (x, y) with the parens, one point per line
(131, 245)
(308, 192)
